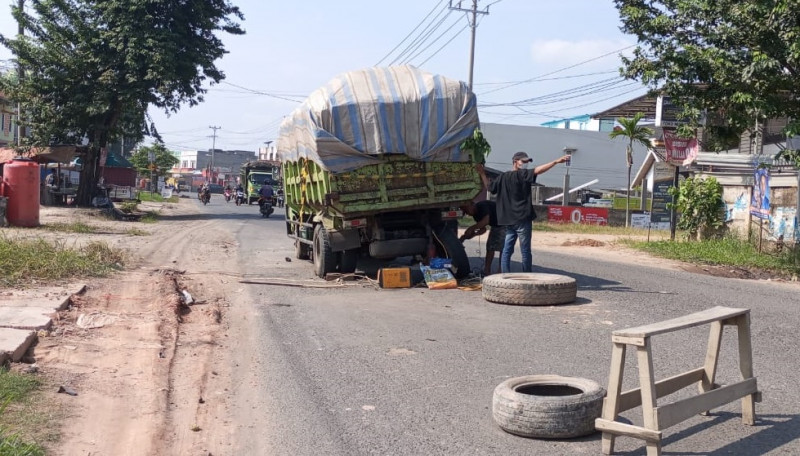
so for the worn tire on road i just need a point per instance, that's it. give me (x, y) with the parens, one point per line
(529, 289)
(547, 406)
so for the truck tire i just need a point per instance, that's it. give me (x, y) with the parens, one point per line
(301, 250)
(547, 406)
(448, 246)
(324, 258)
(529, 289)
(348, 260)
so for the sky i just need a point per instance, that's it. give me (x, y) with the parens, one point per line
(535, 61)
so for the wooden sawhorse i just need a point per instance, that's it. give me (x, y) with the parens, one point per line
(658, 418)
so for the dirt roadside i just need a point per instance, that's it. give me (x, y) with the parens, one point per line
(149, 371)
(154, 375)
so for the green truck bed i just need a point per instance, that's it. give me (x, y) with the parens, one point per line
(396, 184)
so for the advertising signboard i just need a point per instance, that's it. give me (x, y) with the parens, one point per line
(759, 202)
(680, 151)
(659, 213)
(577, 215)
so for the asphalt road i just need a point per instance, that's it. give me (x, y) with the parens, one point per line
(357, 370)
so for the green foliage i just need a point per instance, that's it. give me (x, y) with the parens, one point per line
(93, 67)
(699, 201)
(164, 159)
(736, 60)
(478, 146)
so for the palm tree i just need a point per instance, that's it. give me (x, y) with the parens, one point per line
(636, 134)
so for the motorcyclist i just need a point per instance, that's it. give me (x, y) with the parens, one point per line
(238, 194)
(266, 192)
(205, 191)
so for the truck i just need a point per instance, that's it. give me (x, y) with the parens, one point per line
(373, 164)
(253, 174)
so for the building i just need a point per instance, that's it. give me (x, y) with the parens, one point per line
(585, 122)
(735, 170)
(197, 165)
(596, 155)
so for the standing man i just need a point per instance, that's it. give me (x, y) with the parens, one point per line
(485, 215)
(515, 208)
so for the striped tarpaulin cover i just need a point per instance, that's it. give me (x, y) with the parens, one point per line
(363, 114)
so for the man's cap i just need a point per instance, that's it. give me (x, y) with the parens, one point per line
(521, 156)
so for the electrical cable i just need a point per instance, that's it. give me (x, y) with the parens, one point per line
(409, 33)
(559, 70)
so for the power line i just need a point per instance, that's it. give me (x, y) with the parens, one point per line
(558, 70)
(444, 45)
(433, 42)
(409, 33)
(258, 92)
(422, 35)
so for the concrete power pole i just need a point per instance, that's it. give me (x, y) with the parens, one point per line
(473, 23)
(213, 147)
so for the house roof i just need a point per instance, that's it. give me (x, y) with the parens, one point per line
(645, 104)
(58, 153)
(656, 155)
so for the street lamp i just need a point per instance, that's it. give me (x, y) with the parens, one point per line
(565, 197)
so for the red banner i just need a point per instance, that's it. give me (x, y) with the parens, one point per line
(578, 215)
(681, 151)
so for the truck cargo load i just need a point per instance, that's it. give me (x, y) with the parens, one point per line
(372, 163)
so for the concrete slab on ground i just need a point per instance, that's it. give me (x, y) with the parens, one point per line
(26, 317)
(56, 298)
(14, 343)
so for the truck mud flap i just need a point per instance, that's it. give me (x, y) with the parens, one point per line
(341, 240)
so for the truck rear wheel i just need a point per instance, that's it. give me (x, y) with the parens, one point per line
(324, 258)
(448, 246)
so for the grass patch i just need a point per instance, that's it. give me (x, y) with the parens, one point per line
(36, 259)
(73, 227)
(157, 198)
(727, 252)
(16, 414)
(150, 217)
(595, 229)
(128, 206)
(136, 232)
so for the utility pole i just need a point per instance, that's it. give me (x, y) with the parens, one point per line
(20, 75)
(473, 23)
(213, 147)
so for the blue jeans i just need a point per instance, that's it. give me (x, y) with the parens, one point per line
(523, 232)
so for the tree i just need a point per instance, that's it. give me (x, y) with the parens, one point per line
(164, 159)
(635, 134)
(736, 60)
(93, 67)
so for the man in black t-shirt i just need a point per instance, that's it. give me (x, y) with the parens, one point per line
(485, 214)
(514, 206)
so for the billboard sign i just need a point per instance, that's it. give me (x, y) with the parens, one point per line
(577, 215)
(679, 151)
(759, 202)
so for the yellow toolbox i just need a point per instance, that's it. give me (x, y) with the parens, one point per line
(394, 277)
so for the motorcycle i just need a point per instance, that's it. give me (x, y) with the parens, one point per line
(205, 197)
(265, 207)
(228, 195)
(239, 197)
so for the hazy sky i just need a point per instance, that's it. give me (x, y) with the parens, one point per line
(560, 57)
